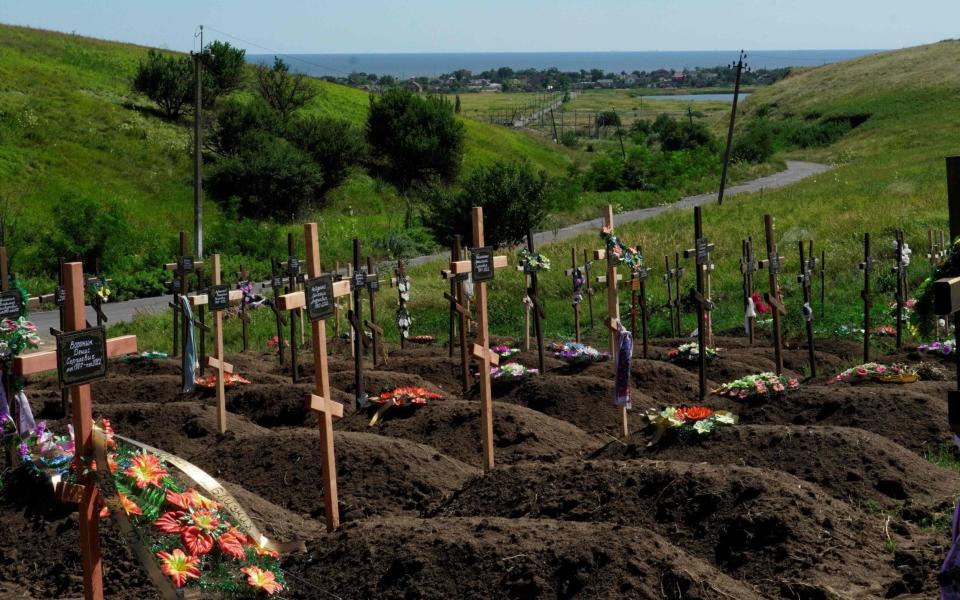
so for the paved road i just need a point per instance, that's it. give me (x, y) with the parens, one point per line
(795, 171)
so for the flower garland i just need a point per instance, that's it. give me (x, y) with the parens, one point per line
(401, 396)
(895, 373)
(229, 380)
(197, 543)
(100, 287)
(575, 352)
(624, 254)
(764, 385)
(511, 371)
(504, 351)
(687, 419)
(403, 286)
(17, 336)
(939, 348)
(534, 260)
(145, 355)
(690, 352)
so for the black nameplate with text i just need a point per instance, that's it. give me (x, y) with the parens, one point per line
(186, 265)
(219, 297)
(481, 262)
(293, 266)
(373, 284)
(319, 295)
(82, 356)
(11, 304)
(359, 279)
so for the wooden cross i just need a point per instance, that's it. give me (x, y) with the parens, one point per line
(181, 269)
(867, 267)
(701, 255)
(673, 297)
(773, 265)
(217, 361)
(276, 284)
(613, 312)
(243, 277)
(748, 266)
(400, 276)
(900, 272)
(337, 276)
(587, 265)
(668, 279)
(292, 271)
(38, 362)
(638, 297)
(482, 266)
(935, 255)
(805, 279)
(373, 286)
(577, 278)
(358, 281)
(321, 400)
(459, 310)
(536, 304)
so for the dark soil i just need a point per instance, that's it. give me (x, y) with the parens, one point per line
(825, 493)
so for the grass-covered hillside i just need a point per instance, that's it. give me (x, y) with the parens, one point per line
(76, 140)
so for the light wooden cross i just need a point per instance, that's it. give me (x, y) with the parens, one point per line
(701, 295)
(217, 361)
(773, 265)
(321, 400)
(748, 266)
(613, 312)
(867, 267)
(807, 266)
(38, 362)
(481, 349)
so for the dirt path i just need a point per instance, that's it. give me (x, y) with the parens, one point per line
(795, 171)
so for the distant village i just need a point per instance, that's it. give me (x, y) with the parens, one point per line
(506, 79)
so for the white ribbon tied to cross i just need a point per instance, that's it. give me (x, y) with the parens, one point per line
(807, 312)
(750, 313)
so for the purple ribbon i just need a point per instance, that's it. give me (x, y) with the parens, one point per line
(27, 424)
(624, 357)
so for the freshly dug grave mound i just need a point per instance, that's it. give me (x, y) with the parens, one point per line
(375, 381)
(441, 371)
(796, 361)
(854, 465)
(280, 405)
(765, 527)
(376, 475)
(585, 401)
(278, 524)
(453, 428)
(666, 382)
(504, 558)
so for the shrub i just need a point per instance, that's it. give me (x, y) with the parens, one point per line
(605, 174)
(98, 231)
(417, 138)
(268, 178)
(237, 120)
(334, 144)
(608, 118)
(167, 80)
(677, 135)
(756, 143)
(405, 243)
(515, 199)
(569, 138)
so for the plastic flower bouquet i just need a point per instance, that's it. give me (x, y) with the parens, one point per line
(764, 385)
(511, 371)
(229, 380)
(504, 351)
(401, 396)
(690, 352)
(686, 420)
(145, 355)
(421, 339)
(17, 336)
(535, 261)
(938, 348)
(895, 373)
(577, 353)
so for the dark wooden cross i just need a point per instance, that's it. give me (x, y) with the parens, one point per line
(638, 304)
(587, 265)
(537, 304)
(867, 267)
(459, 311)
(823, 284)
(373, 286)
(935, 255)
(808, 264)
(276, 284)
(774, 264)
(899, 271)
(674, 304)
(293, 271)
(576, 275)
(358, 283)
(243, 277)
(748, 266)
(185, 265)
(701, 255)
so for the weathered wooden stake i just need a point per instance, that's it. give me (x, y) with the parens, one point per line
(244, 277)
(218, 362)
(400, 277)
(459, 309)
(373, 286)
(668, 279)
(358, 281)
(293, 272)
(805, 279)
(701, 255)
(773, 265)
(867, 267)
(823, 284)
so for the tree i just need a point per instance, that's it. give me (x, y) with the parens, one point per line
(456, 106)
(516, 199)
(238, 119)
(756, 143)
(608, 118)
(284, 91)
(223, 67)
(167, 80)
(415, 138)
(334, 144)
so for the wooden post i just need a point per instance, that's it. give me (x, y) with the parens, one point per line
(401, 278)
(805, 279)
(525, 343)
(639, 296)
(748, 266)
(357, 283)
(536, 304)
(773, 265)
(587, 265)
(867, 267)
(244, 277)
(293, 271)
(454, 299)
(373, 286)
(677, 303)
(218, 353)
(701, 254)
(613, 314)
(900, 272)
(668, 278)
(574, 272)
(276, 282)
(823, 281)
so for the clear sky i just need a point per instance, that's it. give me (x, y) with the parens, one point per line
(331, 26)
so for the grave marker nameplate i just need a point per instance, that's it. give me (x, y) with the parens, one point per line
(481, 264)
(11, 303)
(186, 265)
(81, 356)
(219, 297)
(320, 301)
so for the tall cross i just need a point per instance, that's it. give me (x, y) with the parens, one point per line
(900, 272)
(358, 282)
(482, 266)
(748, 266)
(459, 311)
(638, 297)
(867, 267)
(773, 265)
(805, 279)
(536, 304)
(373, 286)
(576, 275)
(38, 362)
(700, 296)
(185, 265)
(613, 311)
(935, 255)
(323, 292)
(243, 277)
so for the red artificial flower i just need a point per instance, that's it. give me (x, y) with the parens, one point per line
(695, 413)
(231, 543)
(262, 579)
(759, 304)
(196, 541)
(146, 470)
(178, 566)
(169, 522)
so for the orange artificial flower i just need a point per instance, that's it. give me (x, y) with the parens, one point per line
(262, 550)
(178, 566)
(146, 470)
(196, 541)
(695, 413)
(129, 506)
(169, 522)
(264, 580)
(191, 499)
(231, 543)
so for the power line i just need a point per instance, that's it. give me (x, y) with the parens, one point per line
(278, 53)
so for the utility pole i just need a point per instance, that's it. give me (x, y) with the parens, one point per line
(197, 156)
(733, 117)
